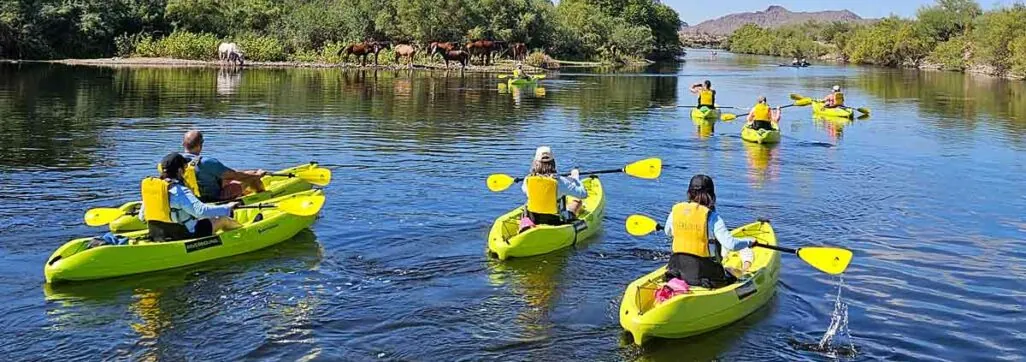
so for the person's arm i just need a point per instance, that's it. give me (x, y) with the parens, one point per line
(727, 241)
(185, 200)
(776, 115)
(227, 173)
(750, 117)
(668, 226)
(572, 186)
(694, 88)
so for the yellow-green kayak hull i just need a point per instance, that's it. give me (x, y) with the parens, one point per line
(74, 262)
(505, 242)
(702, 310)
(820, 109)
(705, 113)
(761, 136)
(274, 186)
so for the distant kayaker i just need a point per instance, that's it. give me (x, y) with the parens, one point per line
(706, 95)
(545, 190)
(762, 116)
(519, 73)
(835, 98)
(173, 212)
(696, 228)
(795, 62)
(804, 63)
(210, 179)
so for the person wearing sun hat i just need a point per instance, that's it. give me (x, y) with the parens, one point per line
(545, 190)
(835, 98)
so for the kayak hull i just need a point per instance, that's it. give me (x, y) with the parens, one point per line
(702, 310)
(505, 242)
(820, 109)
(761, 136)
(274, 186)
(74, 262)
(704, 113)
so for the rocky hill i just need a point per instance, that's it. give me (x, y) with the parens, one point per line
(774, 16)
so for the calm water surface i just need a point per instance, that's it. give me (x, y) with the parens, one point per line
(928, 193)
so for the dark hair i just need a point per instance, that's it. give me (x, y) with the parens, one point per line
(708, 83)
(702, 191)
(544, 168)
(171, 165)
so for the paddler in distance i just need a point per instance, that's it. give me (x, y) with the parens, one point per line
(701, 239)
(173, 212)
(762, 116)
(706, 95)
(835, 98)
(519, 72)
(210, 179)
(546, 188)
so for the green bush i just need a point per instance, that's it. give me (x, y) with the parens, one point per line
(1018, 59)
(541, 60)
(329, 53)
(262, 48)
(950, 54)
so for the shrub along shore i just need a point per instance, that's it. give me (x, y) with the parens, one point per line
(953, 35)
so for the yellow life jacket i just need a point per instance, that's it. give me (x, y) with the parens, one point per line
(761, 112)
(690, 229)
(516, 73)
(189, 175)
(155, 200)
(542, 195)
(707, 98)
(838, 99)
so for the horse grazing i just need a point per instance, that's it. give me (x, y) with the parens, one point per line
(484, 49)
(460, 56)
(405, 50)
(362, 50)
(518, 51)
(230, 52)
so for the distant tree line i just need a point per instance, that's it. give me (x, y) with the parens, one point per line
(310, 29)
(951, 34)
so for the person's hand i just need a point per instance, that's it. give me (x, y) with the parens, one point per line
(233, 205)
(261, 173)
(575, 174)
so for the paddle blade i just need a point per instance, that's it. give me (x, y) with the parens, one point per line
(640, 225)
(803, 102)
(500, 182)
(728, 117)
(796, 96)
(863, 110)
(302, 206)
(649, 168)
(827, 259)
(539, 76)
(503, 76)
(102, 216)
(317, 176)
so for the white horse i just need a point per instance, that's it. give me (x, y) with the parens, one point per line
(230, 52)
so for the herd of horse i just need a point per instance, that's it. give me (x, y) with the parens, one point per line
(462, 54)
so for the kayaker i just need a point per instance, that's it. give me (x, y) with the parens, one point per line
(210, 179)
(706, 95)
(762, 116)
(519, 73)
(835, 98)
(173, 212)
(804, 63)
(546, 189)
(795, 62)
(696, 228)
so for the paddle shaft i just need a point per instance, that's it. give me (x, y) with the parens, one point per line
(519, 179)
(782, 107)
(777, 248)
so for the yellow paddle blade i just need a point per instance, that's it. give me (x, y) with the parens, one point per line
(796, 96)
(500, 182)
(640, 225)
(503, 76)
(803, 102)
(317, 176)
(539, 76)
(829, 260)
(102, 216)
(649, 168)
(863, 110)
(728, 116)
(302, 206)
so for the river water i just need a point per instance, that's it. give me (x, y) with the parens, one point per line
(928, 193)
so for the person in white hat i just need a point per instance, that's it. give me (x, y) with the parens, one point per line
(835, 98)
(545, 190)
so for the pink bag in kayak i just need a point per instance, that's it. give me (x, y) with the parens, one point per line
(672, 288)
(526, 223)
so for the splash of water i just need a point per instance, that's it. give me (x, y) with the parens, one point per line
(837, 341)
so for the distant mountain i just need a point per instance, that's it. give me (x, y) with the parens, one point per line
(774, 16)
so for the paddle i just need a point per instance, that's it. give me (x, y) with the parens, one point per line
(658, 106)
(827, 259)
(301, 206)
(862, 110)
(727, 117)
(649, 168)
(317, 176)
(535, 77)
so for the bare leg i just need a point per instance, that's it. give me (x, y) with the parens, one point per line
(575, 207)
(224, 223)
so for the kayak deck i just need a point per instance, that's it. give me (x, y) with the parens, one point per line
(820, 108)
(274, 186)
(702, 309)
(761, 136)
(704, 113)
(505, 240)
(75, 262)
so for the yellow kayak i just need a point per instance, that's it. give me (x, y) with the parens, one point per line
(820, 109)
(702, 310)
(761, 136)
(705, 113)
(505, 240)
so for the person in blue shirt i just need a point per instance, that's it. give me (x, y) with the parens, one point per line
(172, 211)
(211, 179)
(701, 239)
(545, 190)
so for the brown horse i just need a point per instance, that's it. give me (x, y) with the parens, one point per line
(518, 51)
(460, 56)
(447, 46)
(362, 50)
(485, 48)
(404, 50)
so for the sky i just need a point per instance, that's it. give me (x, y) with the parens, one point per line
(695, 11)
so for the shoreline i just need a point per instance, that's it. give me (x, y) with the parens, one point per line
(502, 66)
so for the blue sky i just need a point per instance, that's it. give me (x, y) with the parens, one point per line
(695, 11)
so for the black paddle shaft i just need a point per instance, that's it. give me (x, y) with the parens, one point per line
(777, 248)
(519, 179)
(782, 107)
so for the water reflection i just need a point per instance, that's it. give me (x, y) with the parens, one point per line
(537, 281)
(705, 128)
(761, 163)
(834, 126)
